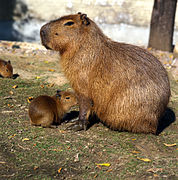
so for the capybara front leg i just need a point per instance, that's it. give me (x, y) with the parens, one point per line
(85, 105)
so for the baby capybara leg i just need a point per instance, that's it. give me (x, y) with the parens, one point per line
(47, 120)
(85, 106)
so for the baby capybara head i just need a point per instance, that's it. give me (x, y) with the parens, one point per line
(6, 69)
(66, 99)
(61, 33)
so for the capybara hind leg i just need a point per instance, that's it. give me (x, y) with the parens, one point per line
(85, 106)
(34, 124)
(46, 124)
(145, 127)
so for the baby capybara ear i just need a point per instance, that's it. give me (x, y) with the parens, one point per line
(84, 19)
(58, 96)
(9, 62)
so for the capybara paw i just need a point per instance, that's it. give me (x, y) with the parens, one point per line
(76, 127)
(53, 126)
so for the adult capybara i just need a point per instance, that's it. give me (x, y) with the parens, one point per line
(6, 69)
(46, 110)
(126, 86)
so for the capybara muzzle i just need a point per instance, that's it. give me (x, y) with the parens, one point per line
(44, 34)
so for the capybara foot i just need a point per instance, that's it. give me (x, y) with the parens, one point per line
(53, 126)
(78, 126)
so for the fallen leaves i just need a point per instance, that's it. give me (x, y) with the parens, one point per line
(59, 170)
(155, 170)
(57, 150)
(29, 99)
(144, 159)
(25, 139)
(51, 70)
(50, 85)
(62, 131)
(15, 86)
(9, 105)
(42, 86)
(10, 137)
(103, 164)
(135, 152)
(170, 145)
(35, 167)
(2, 162)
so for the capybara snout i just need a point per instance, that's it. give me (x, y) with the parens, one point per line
(44, 35)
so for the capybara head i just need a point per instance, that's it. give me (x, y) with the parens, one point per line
(61, 33)
(6, 69)
(66, 99)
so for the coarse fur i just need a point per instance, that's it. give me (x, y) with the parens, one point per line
(6, 69)
(126, 86)
(46, 110)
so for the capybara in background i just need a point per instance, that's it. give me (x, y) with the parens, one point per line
(124, 85)
(6, 69)
(46, 110)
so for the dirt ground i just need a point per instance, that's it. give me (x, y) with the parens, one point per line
(28, 152)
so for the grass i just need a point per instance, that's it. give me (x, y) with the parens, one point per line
(28, 152)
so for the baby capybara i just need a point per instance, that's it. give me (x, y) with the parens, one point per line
(124, 85)
(6, 69)
(46, 110)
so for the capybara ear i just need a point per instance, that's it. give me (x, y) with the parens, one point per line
(58, 91)
(9, 62)
(84, 19)
(5, 63)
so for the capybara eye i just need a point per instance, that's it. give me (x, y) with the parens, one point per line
(67, 97)
(56, 34)
(69, 23)
(7, 70)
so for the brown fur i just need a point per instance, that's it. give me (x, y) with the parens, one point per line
(6, 69)
(45, 110)
(126, 85)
